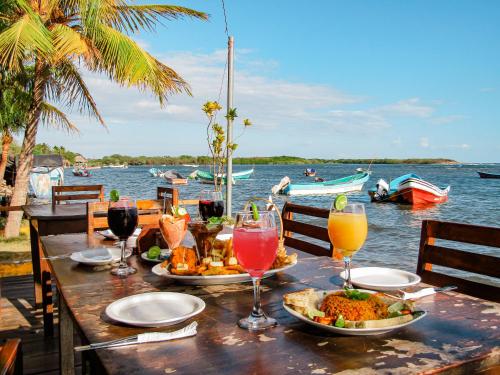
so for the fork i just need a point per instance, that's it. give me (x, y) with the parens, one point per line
(401, 294)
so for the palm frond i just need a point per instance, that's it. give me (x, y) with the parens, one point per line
(24, 35)
(68, 41)
(52, 116)
(128, 64)
(133, 18)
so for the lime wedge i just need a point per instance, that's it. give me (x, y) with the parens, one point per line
(255, 212)
(114, 196)
(340, 202)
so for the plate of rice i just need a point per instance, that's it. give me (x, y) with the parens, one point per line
(356, 312)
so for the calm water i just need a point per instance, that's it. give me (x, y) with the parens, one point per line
(394, 230)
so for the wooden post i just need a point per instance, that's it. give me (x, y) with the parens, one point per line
(66, 345)
(229, 166)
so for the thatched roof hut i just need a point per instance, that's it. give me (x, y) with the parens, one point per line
(80, 159)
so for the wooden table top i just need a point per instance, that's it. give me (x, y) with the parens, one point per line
(459, 331)
(73, 211)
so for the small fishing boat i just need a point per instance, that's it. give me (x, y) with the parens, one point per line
(81, 172)
(204, 176)
(122, 166)
(310, 172)
(190, 165)
(410, 189)
(47, 171)
(488, 175)
(155, 172)
(341, 185)
(417, 191)
(174, 178)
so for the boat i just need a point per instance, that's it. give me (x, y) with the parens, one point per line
(388, 192)
(174, 178)
(410, 189)
(488, 175)
(155, 172)
(341, 185)
(310, 172)
(418, 192)
(81, 172)
(47, 171)
(204, 176)
(190, 165)
(123, 166)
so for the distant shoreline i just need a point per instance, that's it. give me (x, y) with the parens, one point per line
(260, 160)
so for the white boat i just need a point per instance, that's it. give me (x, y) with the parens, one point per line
(190, 165)
(123, 166)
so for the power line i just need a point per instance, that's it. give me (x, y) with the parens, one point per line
(225, 17)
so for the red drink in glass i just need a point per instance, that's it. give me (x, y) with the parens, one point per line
(255, 248)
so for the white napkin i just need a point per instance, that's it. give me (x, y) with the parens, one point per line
(187, 331)
(96, 254)
(421, 293)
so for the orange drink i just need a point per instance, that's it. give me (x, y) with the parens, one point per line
(347, 231)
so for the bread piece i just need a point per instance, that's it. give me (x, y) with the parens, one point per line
(302, 301)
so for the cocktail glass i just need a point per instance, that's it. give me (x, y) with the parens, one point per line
(210, 204)
(255, 242)
(173, 232)
(347, 229)
(204, 234)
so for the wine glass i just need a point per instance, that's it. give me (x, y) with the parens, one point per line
(122, 220)
(211, 204)
(347, 229)
(255, 242)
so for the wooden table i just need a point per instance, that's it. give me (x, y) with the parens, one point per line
(45, 220)
(460, 334)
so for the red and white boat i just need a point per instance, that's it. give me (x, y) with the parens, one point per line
(417, 191)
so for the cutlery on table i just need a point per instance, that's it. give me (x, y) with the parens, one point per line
(187, 331)
(400, 294)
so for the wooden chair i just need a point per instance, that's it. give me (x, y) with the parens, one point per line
(430, 254)
(168, 193)
(150, 212)
(291, 226)
(84, 193)
(11, 359)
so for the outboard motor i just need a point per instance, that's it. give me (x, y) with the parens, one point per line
(382, 190)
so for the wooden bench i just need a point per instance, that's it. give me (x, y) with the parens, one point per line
(84, 193)
(11, 359)
(431, 254)
(291, 226)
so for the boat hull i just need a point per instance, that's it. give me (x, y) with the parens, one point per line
(341, 185)
(322, 190)
(420, 192)
(488, 175)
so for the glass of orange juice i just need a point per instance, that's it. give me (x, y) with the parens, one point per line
(347, 229)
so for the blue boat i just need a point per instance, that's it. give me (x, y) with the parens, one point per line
(341, 185)
(388, 192)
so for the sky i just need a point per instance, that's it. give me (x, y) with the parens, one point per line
(323, 78)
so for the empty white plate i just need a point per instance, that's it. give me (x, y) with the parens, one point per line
(155, 309)
(95, 257)
(379, 278)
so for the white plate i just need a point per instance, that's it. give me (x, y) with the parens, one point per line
(213, 280)
(379, 278)
(164, 253)
(110, 236)
(156, 309)
(349, 331)
(96, 257)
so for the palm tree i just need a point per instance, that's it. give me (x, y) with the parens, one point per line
(56, 37)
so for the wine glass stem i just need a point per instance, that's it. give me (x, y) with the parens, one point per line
(347, 269)
(123, 262)
(257, 309)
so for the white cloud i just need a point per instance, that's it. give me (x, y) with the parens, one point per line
(424, 142)
(442, 120)
(409, 107)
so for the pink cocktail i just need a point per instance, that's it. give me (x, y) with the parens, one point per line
(255, 248)
(255, 242)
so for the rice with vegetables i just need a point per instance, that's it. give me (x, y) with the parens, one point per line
(337, 304)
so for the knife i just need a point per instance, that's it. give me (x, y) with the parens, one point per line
(421, 293)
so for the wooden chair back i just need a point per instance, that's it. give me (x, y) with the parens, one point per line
(11, 360)
(150, 212)
(291, 226)
(173, 195)
(430, 254)
(66, 193)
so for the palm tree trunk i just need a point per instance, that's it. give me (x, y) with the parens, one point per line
(6, 142)
(26, 157)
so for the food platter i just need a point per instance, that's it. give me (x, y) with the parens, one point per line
(215, 279)
(156, 309)
(350, 331)
(380, 278)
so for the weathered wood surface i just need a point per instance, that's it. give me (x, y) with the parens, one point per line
(460, 333)
(482, 264)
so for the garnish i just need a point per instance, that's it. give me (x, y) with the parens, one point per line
(154, 252)
(355, 294)
(340, 202)
(340, 322)
(255, 212)
(114, 196)
(225, 220)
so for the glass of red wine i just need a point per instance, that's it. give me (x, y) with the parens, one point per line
(211, 204)
(255, 242)
(122, 220)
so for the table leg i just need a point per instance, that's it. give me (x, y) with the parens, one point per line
(35, 260)
(66, 345)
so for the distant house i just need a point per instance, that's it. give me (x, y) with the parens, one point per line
(79, 159)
